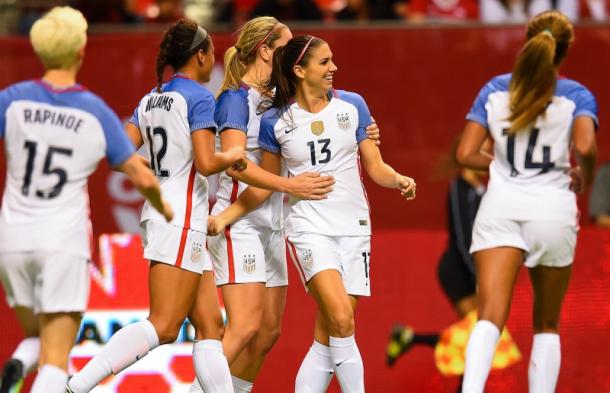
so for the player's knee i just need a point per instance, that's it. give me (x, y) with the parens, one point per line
(341, 323)
(54, 358)
(267, 339)
(166, 330)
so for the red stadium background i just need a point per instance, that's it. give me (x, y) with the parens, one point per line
(419, 83)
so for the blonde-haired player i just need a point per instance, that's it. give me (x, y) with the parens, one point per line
(55, 132)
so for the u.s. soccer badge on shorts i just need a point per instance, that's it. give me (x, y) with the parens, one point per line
(317, 127)
(249, 265)
(197, 249)
(343, 121)
(307, 259)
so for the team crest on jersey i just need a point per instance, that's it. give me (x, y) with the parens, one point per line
(317, 127)
(343, 121)
(196, 251)
(307, 259)
(249, 264)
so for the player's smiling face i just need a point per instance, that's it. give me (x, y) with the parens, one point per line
(320, 69)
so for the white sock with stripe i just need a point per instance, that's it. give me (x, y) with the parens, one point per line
(211, 367)
(348, 363)
(124, 348)
(545, 361)
(316, 370)
(50, 379)
(479, 356)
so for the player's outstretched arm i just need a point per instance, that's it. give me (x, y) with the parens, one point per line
(306, 185)
(146, 182)
(469, 152)
(382, 173)
(208, 161)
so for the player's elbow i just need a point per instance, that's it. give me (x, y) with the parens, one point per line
(204, 167)
(585, 147)
(461, 157)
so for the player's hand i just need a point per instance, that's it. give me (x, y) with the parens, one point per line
(310, 185)
(373, 132)
(216, 225)
(406, 185)
(237, 155)
(577, 181)
(168, 212)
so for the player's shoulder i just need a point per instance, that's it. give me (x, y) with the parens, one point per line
(233, 96)
(570, 88)
(349, 97)
(498, 83)
(191, 90)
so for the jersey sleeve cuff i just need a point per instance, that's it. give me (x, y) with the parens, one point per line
(477, 119)
(268, 147)
(588, 114)
(199, 126)
(234, 126)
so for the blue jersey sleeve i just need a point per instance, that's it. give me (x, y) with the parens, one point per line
(266, 137)
(586, 105)
(118, 146)
(232, 111)
(4, 103)
(478, 112)
(364, 116)
(201, 107)
(134, 118)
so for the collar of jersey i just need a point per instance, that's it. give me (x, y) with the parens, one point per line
(56, 89)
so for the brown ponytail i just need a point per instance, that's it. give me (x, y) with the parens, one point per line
(534, 74)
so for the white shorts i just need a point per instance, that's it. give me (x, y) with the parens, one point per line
(249, 254)
(544, 243)
(45, 281)
(350, 255)
(166, 243)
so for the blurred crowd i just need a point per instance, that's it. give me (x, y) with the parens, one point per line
(18, 15)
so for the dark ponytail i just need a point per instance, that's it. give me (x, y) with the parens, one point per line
(282, 85)
(176, 48)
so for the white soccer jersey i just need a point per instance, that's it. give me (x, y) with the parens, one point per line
(529, 173)
(166, 121)
(325, 142)
(54, 139)
(238, 109)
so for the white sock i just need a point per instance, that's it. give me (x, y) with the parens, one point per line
(545, 361)
(211, 367)
(28, 352)
(125, 347)
(50, 379)
(479, 356)
(241, 385)
(348, 363)
(196, 387)
(316, 370)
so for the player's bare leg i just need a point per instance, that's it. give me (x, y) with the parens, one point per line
(249, 362)
(211, 365)
(337, 318)
(57, 335)
(550, 285)
(497, 271)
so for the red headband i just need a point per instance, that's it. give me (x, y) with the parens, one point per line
(303, 51)
(261, 42)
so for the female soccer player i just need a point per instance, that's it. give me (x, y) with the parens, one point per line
(528, 214)
(314, 128)
(55, 132)
(176, 123)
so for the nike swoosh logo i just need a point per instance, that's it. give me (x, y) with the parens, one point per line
(340, 363)
(289, 131)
